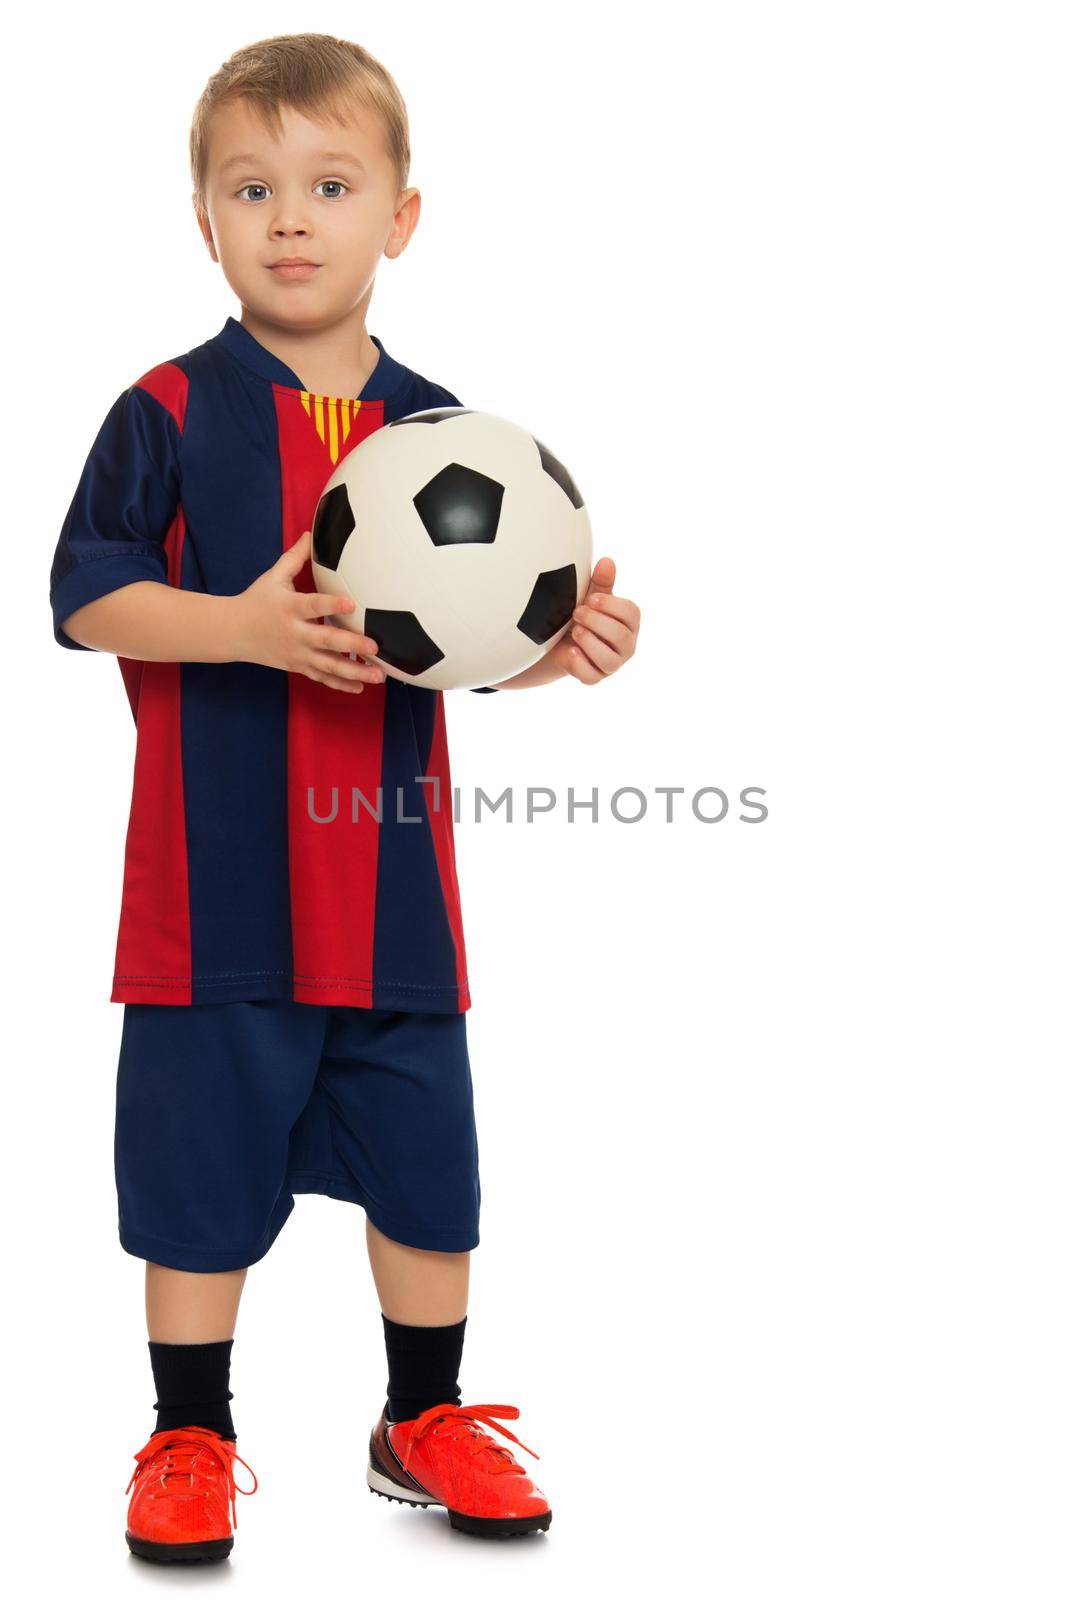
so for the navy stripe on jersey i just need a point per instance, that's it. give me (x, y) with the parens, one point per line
(234, 712)
(114, 530)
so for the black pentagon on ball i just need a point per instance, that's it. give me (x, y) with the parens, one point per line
(333, 524)
(441, 415)
(557, 471)
(552, 600)
(402, 641)
(460, 506)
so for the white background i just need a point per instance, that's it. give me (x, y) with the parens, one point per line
(772, 1118)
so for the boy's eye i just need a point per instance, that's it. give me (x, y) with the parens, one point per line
(262, 187)
(331, 183)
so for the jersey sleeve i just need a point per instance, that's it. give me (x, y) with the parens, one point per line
(122, 509)
(448, 399)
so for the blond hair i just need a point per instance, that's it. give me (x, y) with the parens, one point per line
(313, 73)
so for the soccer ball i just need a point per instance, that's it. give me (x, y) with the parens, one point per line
(463, 541)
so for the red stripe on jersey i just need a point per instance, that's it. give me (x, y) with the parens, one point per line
(335, 747)
(170, 386)
(439, 804)
(131, 677)
(153, 958)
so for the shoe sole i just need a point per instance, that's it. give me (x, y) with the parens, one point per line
(153, 1550)
(480, 1527)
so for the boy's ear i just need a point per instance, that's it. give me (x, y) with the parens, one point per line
(204, 225)
(406, 210)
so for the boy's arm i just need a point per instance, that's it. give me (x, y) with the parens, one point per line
(155, 622)
(109, 587)
(271, 623)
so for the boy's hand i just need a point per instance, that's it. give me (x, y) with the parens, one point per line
(604, 633)
(277, 625)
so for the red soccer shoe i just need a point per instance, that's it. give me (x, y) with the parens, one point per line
(445, 1458)
(183, 1491)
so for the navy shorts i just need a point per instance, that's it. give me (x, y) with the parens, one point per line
(225, 1112)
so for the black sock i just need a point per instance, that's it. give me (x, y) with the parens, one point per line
(423, 1367)
(192, 1386)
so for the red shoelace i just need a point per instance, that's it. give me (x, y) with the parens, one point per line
(181, 1448)
(448, 1419)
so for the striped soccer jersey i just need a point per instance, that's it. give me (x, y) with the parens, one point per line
(285, 840)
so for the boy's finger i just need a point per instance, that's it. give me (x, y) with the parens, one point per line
(602, 655)
(325, 605)
(605, 627)
(340, 667)
(580, 666)
(331, 682)
(613, 605)
(602, 577)
(292, 560)
(343, 640)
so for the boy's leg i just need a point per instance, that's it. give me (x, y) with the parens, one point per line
(191, 1307)
(205, 1099)
(420, 1287)
(423, 1296)
(191, 1320)
(424, 1449)
(391, 1126)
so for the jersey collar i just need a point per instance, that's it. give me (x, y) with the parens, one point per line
(386, 379)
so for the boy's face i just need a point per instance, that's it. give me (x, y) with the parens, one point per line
(324, 192)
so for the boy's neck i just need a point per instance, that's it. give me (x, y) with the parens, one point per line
(334, 361)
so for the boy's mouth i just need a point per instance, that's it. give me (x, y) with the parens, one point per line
(294, 267)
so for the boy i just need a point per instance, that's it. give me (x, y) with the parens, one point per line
(294, 995)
